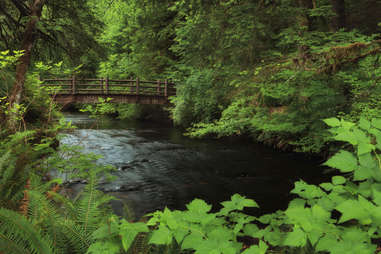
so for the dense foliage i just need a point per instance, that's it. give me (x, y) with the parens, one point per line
(272, 69)
(269, 69)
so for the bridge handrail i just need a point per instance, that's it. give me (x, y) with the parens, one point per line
(109, 86)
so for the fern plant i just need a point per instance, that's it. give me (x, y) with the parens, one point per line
(18, 235)
(54, 224)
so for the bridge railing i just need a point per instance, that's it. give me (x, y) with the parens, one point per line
(106, 86)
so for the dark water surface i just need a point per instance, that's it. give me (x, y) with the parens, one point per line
(158, 166)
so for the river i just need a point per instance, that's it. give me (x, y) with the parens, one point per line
(158, 166)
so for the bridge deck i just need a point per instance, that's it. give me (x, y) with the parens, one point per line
(68, 91)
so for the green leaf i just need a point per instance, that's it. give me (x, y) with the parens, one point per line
(332, 122)
(337, 180)
(364, 124)
(105, 231)
(364, 148)
(300, 216)
(129, 231)
(376, 122)
(346, 124)
(362, 173)
(376, 193)
(221, 234)
(180, 234)
(367, 169)
(192, 240)
(237, 203)
(252, 230)
(347, 136)
(352, 209)
(344, 161)
(104, 247)
(307, 191)
(261, 248)
(377, 134)
(320, 214)
(326, 186)
(367, 160)
(297, 202)
(364, 188)
(296, 238)
(199, 206)
(349, 240)
(361, 136)
(161, 236)
(326, 242)
(168, 218)
(273, 235)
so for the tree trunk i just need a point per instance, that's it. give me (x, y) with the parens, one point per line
(24, 62)
(338, 21)
(304, 22)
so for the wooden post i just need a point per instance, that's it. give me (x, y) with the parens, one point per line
(158, 87)
(73, 89)
(137, 86)
(166, 88)
(102, 89)
(107, 85)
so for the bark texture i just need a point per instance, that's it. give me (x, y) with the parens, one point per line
(24, 61)
(339, 21)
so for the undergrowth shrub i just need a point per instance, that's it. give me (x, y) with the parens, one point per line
(282, 101)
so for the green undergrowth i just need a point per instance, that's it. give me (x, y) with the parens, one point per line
(105, 107)
(282, 102)
(38, 214)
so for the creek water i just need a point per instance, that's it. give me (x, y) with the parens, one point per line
(158, 166)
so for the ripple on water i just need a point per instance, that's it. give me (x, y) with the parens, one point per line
(157, 168)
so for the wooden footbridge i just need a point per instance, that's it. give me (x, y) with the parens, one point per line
(73, 90)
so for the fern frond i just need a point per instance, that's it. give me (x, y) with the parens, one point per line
(40, 207)
(64, 202)
(90, 202)
(7, 171)
(15, 227)
(38, 185)
(11, 182)
(140, 244)
(20, 137)
(90, 206)
(76, 238)
(4, 160)
(8, 245)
